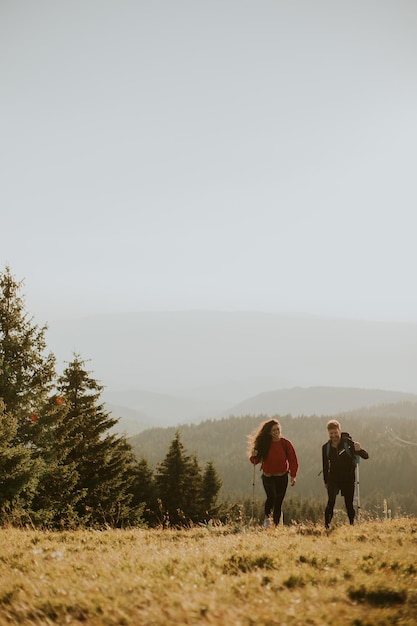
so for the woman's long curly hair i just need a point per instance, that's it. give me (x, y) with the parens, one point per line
(260, 439)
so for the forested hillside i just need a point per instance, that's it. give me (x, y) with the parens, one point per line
(387, 432)
(138, 410)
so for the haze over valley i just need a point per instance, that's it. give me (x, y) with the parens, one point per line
(166, 368)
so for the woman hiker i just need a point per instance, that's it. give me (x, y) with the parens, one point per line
(278, 459)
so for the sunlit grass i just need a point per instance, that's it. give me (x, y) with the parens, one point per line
(362, 576)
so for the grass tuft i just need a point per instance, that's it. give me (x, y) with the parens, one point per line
(247, 563)
(380, 596)
(294, 581)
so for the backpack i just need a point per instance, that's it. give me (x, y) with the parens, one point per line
(346, 438)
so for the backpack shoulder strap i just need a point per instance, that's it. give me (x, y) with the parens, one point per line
(345, 444)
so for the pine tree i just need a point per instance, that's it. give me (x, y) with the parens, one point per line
(144, 492)
(26, 373)
(105, 464)
(210, 488)
(18, 473)
(57, 494)
(195, 509)
(178, 483)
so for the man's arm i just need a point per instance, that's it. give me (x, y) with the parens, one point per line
(359, 451)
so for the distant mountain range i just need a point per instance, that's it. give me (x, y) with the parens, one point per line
(163, 410)
(317, 401)
(140, 409)
(165, 368)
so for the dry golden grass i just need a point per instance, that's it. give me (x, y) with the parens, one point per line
(363, 575)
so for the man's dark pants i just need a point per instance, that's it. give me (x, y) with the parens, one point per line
(347, 490)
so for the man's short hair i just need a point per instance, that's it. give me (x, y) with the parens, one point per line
(333, 424)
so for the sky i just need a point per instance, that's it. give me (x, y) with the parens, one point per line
(210, 155)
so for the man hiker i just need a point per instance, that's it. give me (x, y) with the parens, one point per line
(339, 467)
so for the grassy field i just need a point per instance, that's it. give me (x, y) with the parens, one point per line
(230, 576)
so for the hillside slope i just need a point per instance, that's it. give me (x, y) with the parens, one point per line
(317, 401)
(387, 432)
(139, 410)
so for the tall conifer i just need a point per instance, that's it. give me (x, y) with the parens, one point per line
(105, 463)
(178, 483)
(26, 372)
(144, 492)
(211, 485)
(57, 494)
(18, 472)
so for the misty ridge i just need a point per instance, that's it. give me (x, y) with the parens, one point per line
(165, 368)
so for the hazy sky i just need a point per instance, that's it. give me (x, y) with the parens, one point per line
(217, 154)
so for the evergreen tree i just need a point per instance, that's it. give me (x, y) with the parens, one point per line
(195, 508)
(57, 493)
(171, 480)
(105, 464)
(144, 492)
(210, 488)
(18, 473)
(26, 373)
(178, 483)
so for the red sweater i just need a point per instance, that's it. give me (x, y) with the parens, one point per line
(277, 461)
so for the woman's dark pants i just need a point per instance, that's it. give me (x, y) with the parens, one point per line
(275, 489)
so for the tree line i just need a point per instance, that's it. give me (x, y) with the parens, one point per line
(60, 467)
(387, 432)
